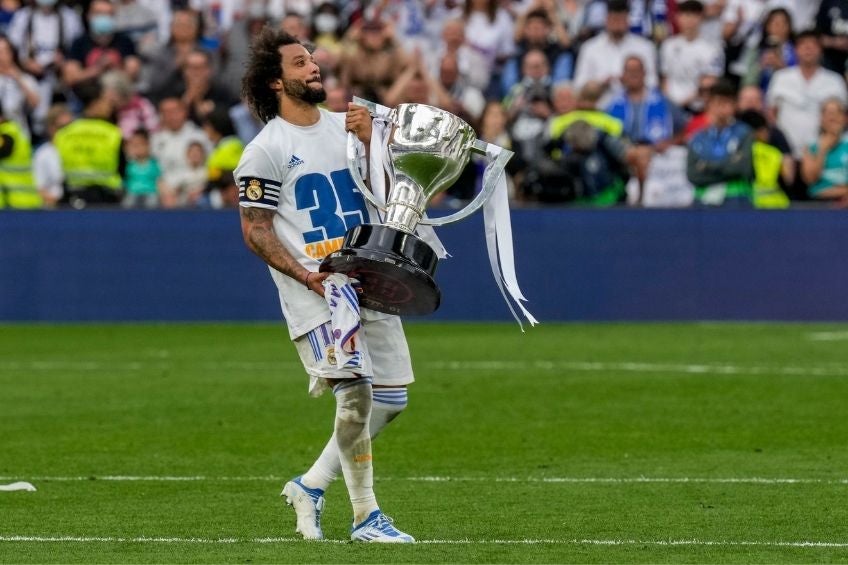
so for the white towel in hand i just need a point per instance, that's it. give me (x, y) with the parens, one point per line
(343, 301)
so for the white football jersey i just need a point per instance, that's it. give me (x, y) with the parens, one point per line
(301, 172)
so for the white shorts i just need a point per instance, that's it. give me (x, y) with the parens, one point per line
(385, 354)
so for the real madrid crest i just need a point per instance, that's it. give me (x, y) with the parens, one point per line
(253, 190)
(331, 355)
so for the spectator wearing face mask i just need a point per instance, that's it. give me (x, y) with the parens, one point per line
(102, 49)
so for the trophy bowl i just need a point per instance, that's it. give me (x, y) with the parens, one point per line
(426, 151)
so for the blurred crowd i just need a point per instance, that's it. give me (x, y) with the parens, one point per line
(657, 103)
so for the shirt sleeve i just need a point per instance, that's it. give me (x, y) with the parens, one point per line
(258, 179)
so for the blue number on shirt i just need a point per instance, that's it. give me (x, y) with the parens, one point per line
(354, 211)
(321, 197)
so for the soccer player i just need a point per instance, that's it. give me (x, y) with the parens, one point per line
(297, 199)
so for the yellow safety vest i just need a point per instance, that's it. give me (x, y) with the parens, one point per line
(16, 180)
(90, 150)
(224, 157)
(767, 163)
(595, 118)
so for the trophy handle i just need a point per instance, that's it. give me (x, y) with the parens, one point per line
(489, 186)
(353, 168)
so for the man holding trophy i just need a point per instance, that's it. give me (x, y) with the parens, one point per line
(304, 213)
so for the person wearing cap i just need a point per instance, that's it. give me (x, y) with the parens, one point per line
(374, 63)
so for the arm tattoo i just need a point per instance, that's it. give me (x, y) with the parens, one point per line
(257, 226)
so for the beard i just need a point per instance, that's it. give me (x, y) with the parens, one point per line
(300, 90)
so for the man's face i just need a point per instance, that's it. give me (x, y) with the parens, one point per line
(301, 76)
(535, 65)
(721, 109)
(633, 75)
(808, 51)
(750, 98)
(617, 24)
(173, 113)
(197, 67)
(536, 31)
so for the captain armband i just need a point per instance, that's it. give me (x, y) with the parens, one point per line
(262, 193)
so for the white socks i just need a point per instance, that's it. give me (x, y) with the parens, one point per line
(353, 411)
(387, 404)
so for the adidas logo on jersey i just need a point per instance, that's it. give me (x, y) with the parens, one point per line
(295, 161)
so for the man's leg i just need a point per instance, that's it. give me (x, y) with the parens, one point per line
(387, 403)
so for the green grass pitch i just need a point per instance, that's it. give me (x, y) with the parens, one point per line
(646, 443)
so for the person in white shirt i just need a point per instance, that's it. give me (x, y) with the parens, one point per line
(297, 199)
(46, 163)
(795, 94)
(169, 147)
(685, 56)
(601, 58)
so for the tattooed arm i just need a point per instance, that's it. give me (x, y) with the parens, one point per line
(257, 227)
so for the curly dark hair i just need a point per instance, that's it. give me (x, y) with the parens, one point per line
(264, 65)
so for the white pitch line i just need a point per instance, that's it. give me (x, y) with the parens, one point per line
(525, 541)
(828, 336)
(448, 479)
(455, 366)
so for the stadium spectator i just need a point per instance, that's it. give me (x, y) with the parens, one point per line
(90, 149)
(586, 109)
(141, 178)
(711, 26)
(563, 99)
(466, 101)
(489, 30)
(327, 34)
(416, 85)
(217, 17)
(46, 163)
(133, 111)
(42, 34)
(648, 116)
(198, 88)
(102, 49)
(223, 159)
(138, 22)
(493, 129)
(601, 58)
(720, 159)
(767, 161)
(686, 56)
(528, 106)
(832, 24)
(592, 167)
(337, 96)
(170, 144)
(472, 64)
(698, 106)
(165, 63)
(775, 51)
(295, 25)
(795, 94)
(824, 164)
(18, 90)
(17, 186)
(751, 99)
(538, 30)
(741, 29)
(374, 42)
(187, 186)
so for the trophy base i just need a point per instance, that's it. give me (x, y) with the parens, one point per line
(395, 269)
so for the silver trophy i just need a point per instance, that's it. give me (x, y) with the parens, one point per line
(426, 149)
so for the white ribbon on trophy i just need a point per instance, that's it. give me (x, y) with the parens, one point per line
(493, 198)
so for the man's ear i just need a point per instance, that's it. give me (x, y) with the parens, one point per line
(276, 84)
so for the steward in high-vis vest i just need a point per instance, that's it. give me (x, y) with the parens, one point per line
(17, 186)
(90, 150)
